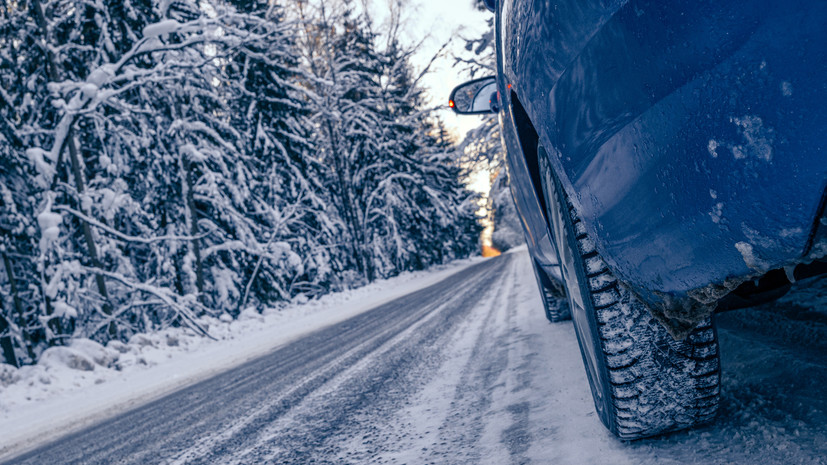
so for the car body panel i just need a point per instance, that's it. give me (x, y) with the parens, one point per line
(528, 205)
(690, 136)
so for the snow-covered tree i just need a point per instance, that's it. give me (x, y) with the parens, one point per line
(164, 161)
(395, 188)
(429, 202)
(291, 233)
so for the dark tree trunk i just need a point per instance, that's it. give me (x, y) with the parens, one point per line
(18, 306)
(194, 231)
(6, 346)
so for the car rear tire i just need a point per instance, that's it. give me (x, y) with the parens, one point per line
(552, 294)
(643, 381)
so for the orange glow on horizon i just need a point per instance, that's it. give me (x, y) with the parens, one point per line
(488, 251)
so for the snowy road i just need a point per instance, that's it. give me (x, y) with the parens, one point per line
(468, 371)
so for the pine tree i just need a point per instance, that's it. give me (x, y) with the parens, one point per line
(289, 236)
(436, 210)
(395, 188)
(167, 161)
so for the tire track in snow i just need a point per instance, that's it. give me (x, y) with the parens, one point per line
(421, 429)
(469, 372)
(475, 409)
(208, 422)
(370, 385)
(462, 430)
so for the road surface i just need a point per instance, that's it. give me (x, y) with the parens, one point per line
(468, 371)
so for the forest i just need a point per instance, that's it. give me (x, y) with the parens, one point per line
(162, 160)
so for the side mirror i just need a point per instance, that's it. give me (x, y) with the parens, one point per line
(476, 97)
(490, 4)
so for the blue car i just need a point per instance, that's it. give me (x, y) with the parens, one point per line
(669, 161)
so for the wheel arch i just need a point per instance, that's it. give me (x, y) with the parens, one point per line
(528, 139)
(658, 304)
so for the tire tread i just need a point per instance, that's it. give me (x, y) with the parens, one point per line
(654, 363)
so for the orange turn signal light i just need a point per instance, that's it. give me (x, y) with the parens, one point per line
(451, 103)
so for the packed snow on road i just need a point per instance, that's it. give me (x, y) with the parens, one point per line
(474, 375)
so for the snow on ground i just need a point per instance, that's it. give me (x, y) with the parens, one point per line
(512, 389)
(85, 382)
(501, 384)
(520, 381)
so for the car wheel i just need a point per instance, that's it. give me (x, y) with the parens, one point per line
(643, 381)
(552, 294)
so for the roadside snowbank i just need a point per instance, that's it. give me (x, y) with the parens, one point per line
(84, 382)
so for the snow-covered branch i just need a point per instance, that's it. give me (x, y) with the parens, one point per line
(169, 299)
(125, 237)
